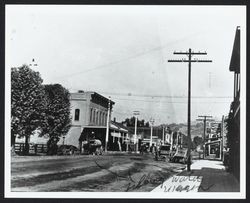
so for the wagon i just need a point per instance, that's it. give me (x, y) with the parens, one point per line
(180, 156)
(95, 147)
(67, 150)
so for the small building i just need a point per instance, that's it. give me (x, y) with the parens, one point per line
(213, 141)
(144, 133)
(119, 138)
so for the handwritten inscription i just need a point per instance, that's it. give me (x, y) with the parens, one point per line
(173, 184)
(148, 178)
(180, 184)
(145, 179)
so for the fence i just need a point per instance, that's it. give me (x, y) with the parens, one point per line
(33, 148)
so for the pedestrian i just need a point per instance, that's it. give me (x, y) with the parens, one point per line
(119, 146)
(141, 149)
(152, 148)
(157, 152)
(217, 152)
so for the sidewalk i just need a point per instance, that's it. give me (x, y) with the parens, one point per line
(205, 176)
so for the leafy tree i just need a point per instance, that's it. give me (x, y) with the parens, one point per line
(27, 103)
(197, 141)
(57, 113)
(130, 122)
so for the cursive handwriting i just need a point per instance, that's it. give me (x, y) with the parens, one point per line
(185, 184)
(179, 183)
(145, 179)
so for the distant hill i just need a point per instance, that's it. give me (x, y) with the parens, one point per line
(196, 129)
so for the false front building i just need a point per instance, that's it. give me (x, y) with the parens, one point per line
(89, 112)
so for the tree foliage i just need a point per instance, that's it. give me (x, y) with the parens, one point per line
(130, 122)
(197, 141)
(27, 103)
(57, 122)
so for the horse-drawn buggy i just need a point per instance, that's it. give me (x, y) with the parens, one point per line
(93, 146)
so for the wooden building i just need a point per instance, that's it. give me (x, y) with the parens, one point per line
(233, 134)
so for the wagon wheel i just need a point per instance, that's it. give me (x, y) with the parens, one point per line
(100, 150)
(97, 151)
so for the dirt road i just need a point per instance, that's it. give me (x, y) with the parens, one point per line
(107, 173)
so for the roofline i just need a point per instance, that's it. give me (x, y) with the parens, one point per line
(95, 93)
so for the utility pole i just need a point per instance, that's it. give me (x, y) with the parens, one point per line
(136, 113)
(177, 139)
(204, 119)
(181, 145)
(171, 141)
(189, 53)
(151, 133)
(107, 127)
(127, 139)
(163, 136)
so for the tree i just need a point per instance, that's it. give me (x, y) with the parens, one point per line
(58, 121)
(130, 122)
(27, 103)
(197, 141)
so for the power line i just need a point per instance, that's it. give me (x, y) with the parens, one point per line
(108, 65)
(159, 96)
(174, 102)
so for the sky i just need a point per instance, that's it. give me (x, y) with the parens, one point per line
(123, 52)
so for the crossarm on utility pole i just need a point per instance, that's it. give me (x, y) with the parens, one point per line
(192, 61)
(192, 53)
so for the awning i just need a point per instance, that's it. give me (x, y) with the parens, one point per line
(116, 134)
(213, 142)
(114, 126)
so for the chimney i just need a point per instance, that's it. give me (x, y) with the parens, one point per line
(114, 119)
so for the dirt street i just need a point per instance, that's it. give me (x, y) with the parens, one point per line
(107, 173)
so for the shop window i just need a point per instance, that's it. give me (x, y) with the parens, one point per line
(105, 119)
(96, 118)
(93, 116)
(91, 112)
(100, 118)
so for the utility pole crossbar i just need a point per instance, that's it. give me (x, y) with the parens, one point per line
(193, 53)
(189, 53)
(193, 61)
(136, 113)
